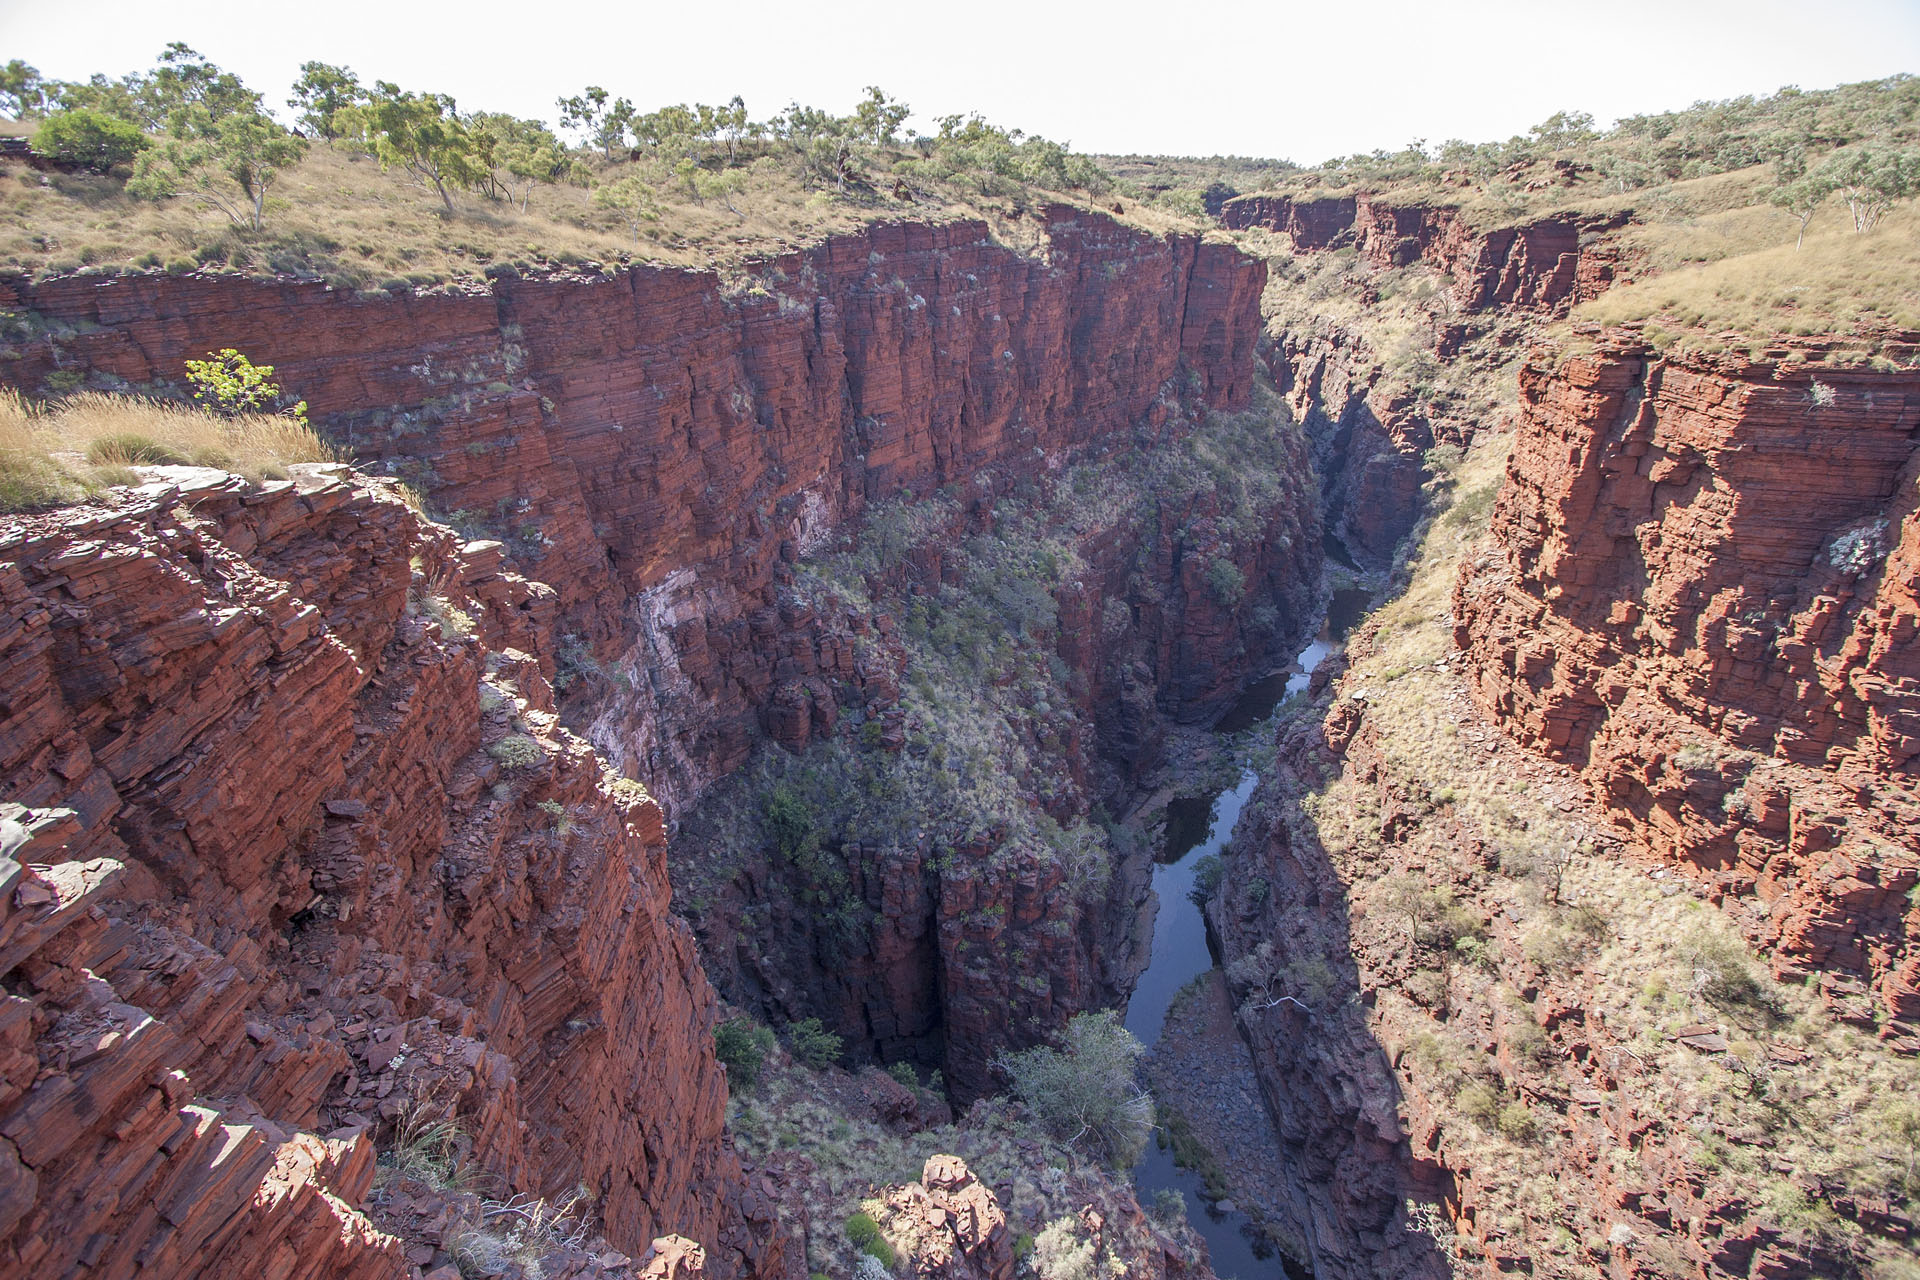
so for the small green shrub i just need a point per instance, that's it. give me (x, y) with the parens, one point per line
(91, 138)
(1516, 1122)
(864, 1232)
(813, 1044)
(1225, 580)
(742, 1045)
(1206, 880)
(516, 751)
(904, 1073)
(1480, 1102)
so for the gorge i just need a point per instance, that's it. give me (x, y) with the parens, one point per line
(826, 633)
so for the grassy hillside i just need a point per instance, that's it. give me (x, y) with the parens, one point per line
(355, 197)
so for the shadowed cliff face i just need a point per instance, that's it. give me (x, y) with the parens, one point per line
(1707, 603)
(934, 879)
(1370, 434)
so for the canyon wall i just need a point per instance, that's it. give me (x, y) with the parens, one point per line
(1371, 432)
(1705, 599)
(313, 744)
(653, 443)
(289, 882)
(1547, 264)
(978, 937)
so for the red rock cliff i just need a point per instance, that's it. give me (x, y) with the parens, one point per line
(652, 442)
(1547, 264)
(307, 889)
(1708, 602)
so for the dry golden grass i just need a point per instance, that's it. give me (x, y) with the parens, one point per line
(1739, 271)
(339, 215)
(50, 457)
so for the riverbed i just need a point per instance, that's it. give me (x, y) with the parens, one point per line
(1195, 828)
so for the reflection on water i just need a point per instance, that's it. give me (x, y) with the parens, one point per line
(1198, 826)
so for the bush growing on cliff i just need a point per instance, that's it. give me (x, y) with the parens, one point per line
(813, 1044)
(742, 1046)
(1084, 1092)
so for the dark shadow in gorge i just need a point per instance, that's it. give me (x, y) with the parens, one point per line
(940, 880)
(1282, 921)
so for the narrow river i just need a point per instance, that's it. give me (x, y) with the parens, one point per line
(1196, 827)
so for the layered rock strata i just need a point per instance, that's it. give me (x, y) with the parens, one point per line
(1706, 599)
(653, 443)
(1371, 432)
(1546, 264)
(332, 867)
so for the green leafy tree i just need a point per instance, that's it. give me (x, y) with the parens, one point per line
(601, 120)
(23, 93)
(184, 82)
(877, 118)
(423, 134)
(1871, 178)
(731, 122)
(1564, 129)
(1084, 1091)
(1798, 191)
(229, 384)
(519, 155)
(631, 195)
(154, 100)
(321, 94)
(91, 138)
(204, 154)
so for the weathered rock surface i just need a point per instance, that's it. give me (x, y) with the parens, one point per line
(1547, 264)
(654, 443)
(1707, 601)
(331, 865)
(977, 942)
(949, 1224)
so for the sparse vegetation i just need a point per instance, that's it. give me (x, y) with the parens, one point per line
(1084, 1092)
(77, 446)
(673, 184)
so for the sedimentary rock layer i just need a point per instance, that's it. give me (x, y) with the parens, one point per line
(1546, 264)
(653, 442)
(1708, 601)
(305, 889)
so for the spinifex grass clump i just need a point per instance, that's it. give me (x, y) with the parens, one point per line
(52, 455)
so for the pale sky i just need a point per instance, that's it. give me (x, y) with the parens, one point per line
(1295, 80)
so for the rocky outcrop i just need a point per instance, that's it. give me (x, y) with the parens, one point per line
(1369, 443)
(1326, 1084)
(332, 868)
(655, 443)
(1546, 264)
(949, 1224)
(1706, 599)
(1371, 428)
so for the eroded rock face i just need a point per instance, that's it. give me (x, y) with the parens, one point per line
(331, 864)
(655, 443)
(950, 1224)
(1708, 602)
(1548, 264)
